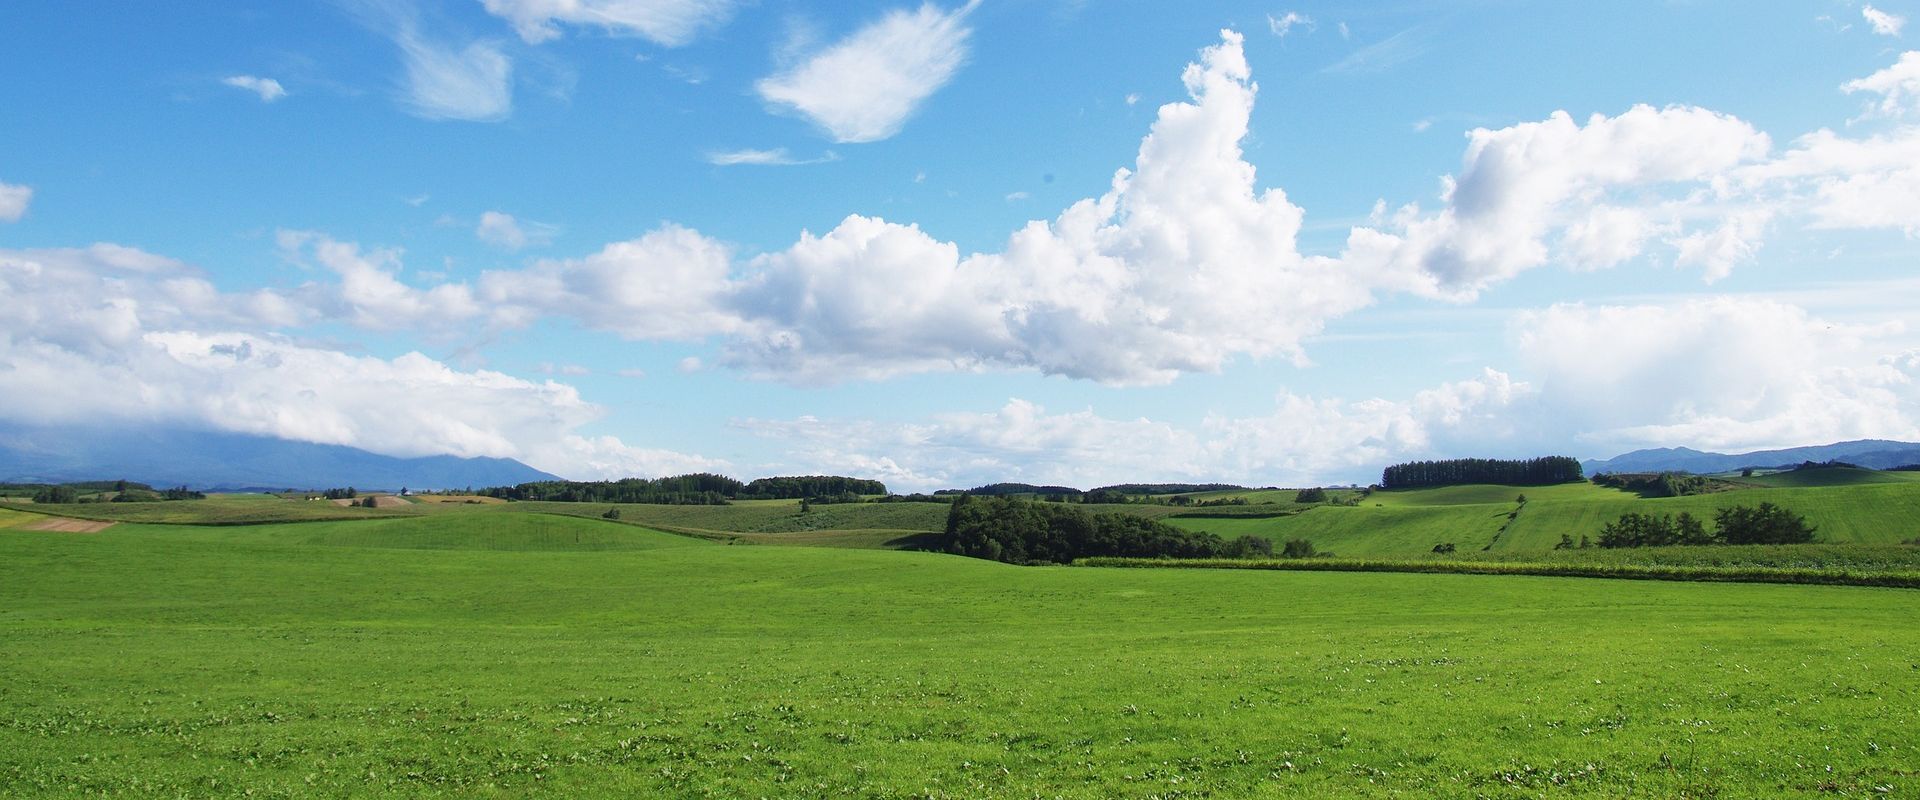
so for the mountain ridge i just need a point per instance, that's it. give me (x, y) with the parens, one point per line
(1871, 453)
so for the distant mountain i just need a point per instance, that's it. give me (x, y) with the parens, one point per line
(210, 460)
(1873, 453)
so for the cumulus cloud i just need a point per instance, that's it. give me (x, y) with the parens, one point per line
(665, 22)
(502, 230)
(13, 201)
(864, 87)
(669, 284)
(1727, 373)
(112, 334)
(1898, 86)
(369, 293)
(267, 89)
(1303, 440)
(1883, 23)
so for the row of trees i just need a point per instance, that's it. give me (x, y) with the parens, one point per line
(1542, 471)
(813, 487)
(1762, 524)
(1023, 532)
(123, 492)
(699, 488)
(1664, 484)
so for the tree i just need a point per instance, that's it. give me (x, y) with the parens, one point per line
(1765, 524)
(1298, 548)
(1312, 495)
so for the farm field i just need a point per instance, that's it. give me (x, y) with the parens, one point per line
(317, 658)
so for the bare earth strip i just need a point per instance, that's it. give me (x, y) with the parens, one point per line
(65, 525)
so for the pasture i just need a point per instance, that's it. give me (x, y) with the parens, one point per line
(463, 654)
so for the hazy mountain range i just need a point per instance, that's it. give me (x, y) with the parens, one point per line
(209, 460)
(1873, 453)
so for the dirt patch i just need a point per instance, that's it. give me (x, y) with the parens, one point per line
(379, 501)
(65, 525)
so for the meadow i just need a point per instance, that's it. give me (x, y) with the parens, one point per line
(483, 653)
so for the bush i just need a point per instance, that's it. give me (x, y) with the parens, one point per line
(1313, 495)
(612, 513)
(1298, 548)
(1443, 548)
(1249, 546)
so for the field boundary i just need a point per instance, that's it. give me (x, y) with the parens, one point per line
(1824, 577)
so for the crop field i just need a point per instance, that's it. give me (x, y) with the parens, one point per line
(465, 654)
(215, 510)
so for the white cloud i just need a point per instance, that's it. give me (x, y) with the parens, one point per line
(267, 89)
(473, 82)
(1725, 373)
(369, 293)
(1897, 85)
(1132, 98)
(665, 22)
(14, 199)
(864, 87)
(1883, 23)
(501, 230)
(1303, 441)
(112, 334)
(1017, 196)
(1285, 23)
(777, 157)
(669, 284)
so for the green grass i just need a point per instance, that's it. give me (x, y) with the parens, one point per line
(759, 516)
(1368, 532)
(1830, 476)
(1865, 514)
(1493, 493)
(162, 660)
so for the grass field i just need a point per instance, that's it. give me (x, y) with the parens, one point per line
(298, 660)
(228, 509)
(1369, 532)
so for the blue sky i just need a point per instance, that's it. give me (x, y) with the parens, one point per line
(614, 237)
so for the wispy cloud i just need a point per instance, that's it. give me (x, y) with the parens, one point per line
(777, 157)
(665, 22)
(863, 88)
(1883, 23)
(1384, 54)
(502, 230)
(268, 89)
(1285, 23)
(473, 82)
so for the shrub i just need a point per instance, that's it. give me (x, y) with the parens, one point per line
(1443, 547)
(612, 513)
(1249, 546)
(1298, 548)
(1313, 495)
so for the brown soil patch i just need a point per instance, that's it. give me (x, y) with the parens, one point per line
(65, 525)
(379, 501)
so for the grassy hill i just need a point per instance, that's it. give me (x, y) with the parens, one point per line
(315, 659)
(1831, 476)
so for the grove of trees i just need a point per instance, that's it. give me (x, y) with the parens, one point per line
(1542, 471)
(700, 488)
(1025, 532)
(1762, 524)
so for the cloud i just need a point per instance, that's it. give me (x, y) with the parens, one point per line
(1285, 23)
(442, 81)
(503, 231)
(1302, 441)
(1883, 23)
(369, 293)
(267, 89)
(864, 87)
(14, 199)
(1017, 196)
(665, 22)
(1382, 55)
(669, 284)
(1725, 373)
(777, 157)
(1898, 86)
(112, 334)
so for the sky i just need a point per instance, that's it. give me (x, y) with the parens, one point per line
(1053, 241)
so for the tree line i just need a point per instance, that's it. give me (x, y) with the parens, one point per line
(1026, 532)
(1543, 471)
(1762, 524)
(699, 488)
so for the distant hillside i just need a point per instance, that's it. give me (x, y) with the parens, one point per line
(208, 460)
(1872, 453)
